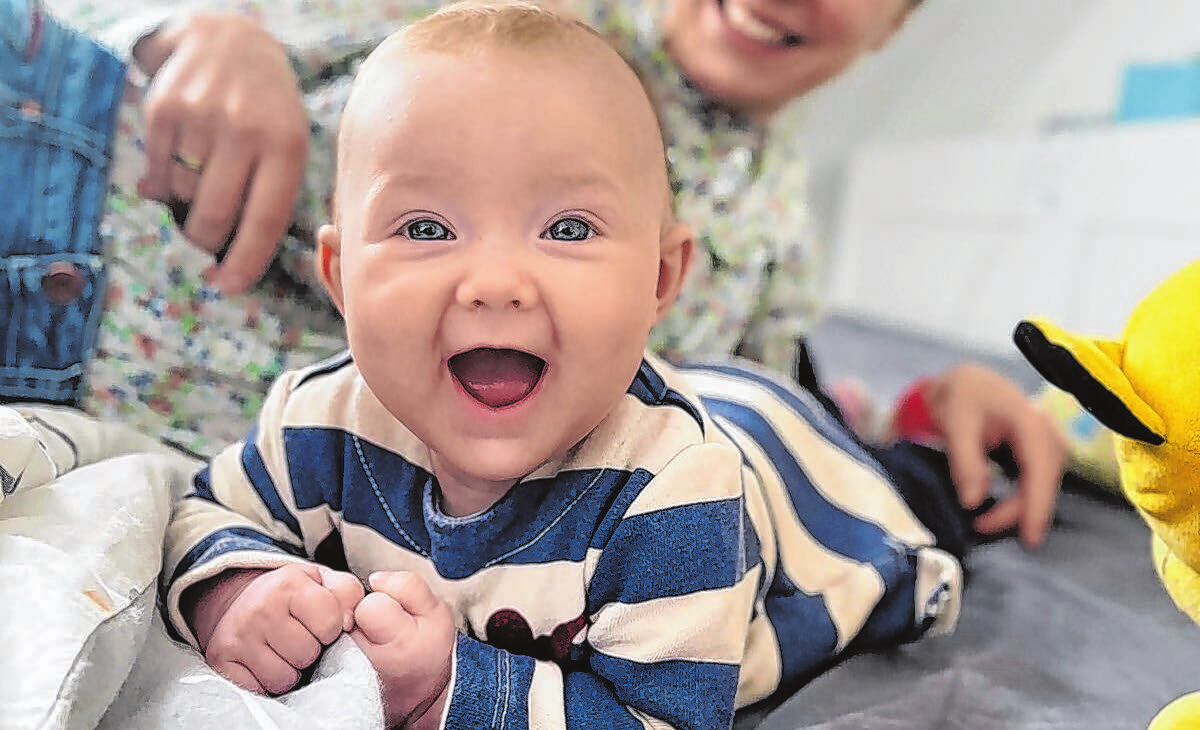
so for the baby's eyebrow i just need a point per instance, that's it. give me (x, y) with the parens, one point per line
(581, 180)
(385, 186)
(402, 178)
(570, 179)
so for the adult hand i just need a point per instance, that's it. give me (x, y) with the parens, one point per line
(226, 138)
(977, 410)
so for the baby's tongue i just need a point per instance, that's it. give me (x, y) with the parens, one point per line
(497, 378)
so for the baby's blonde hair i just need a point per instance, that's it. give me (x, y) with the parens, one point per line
(474, 25)
(461, 26)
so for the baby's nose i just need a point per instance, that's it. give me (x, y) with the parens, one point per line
(498, 278)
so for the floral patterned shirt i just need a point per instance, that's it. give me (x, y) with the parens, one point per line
(179, 360)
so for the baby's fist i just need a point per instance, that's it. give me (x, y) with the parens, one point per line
(408, 634)
(259, 629)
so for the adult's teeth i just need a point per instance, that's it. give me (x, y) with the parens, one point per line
(750, 26)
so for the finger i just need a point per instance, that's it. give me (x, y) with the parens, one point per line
(272, 673)
(1041, 460)
(241, 676)
(408, 589)
(318, 610)
(218, 196)
(1001, 517)
(380, 619)
(274, 187)
(294, 643)
(967, 454)
(347, 590)
(162, 122)
(188, 161)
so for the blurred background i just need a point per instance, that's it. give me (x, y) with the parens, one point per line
(1003, 158)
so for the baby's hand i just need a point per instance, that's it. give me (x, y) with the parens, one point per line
(408, 634)
(277, 622)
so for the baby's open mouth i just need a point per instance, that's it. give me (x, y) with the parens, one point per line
(497, 377)
(751, 27)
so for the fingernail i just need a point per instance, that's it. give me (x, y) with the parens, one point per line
(373, 578)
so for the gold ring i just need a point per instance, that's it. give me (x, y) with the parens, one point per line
(188, 163)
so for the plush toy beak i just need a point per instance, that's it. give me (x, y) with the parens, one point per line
(1090, 369)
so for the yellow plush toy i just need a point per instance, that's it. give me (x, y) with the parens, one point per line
(1146, 388)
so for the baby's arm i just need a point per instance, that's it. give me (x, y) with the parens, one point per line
(260, 628)
(240, 583)
(670, 601)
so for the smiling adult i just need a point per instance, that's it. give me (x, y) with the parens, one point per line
(756, 56)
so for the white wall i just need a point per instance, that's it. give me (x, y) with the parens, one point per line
(1082, 78)
(972, 66)
(962, 238)
(965, 86)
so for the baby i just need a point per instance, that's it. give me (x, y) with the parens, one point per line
(553, 528)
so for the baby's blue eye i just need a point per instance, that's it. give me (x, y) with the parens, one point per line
(427, 230)
(569, 229)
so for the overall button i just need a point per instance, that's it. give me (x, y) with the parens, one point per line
(30, 109)
(62, 283)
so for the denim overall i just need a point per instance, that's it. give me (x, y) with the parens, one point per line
(59, 94)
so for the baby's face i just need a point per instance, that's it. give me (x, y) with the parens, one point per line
(757, 55)
(500, 221)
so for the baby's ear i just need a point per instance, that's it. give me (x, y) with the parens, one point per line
(328, 263)
(675, 261)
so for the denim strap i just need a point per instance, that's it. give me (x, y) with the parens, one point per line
(59, 93)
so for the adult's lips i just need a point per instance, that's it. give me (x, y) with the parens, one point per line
(755, 28)
(497, 377)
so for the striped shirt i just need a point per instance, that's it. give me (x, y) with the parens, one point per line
(715, 537)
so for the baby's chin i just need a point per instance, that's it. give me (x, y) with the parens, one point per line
(496, 462)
